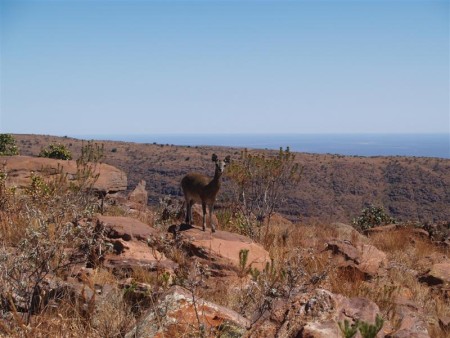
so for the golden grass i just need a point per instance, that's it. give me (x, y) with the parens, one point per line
(302, 246)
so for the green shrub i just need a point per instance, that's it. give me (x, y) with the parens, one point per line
(372, 216)
(370, 330)
(347, 330)
(367, 330)
(8, 145)
(56, 151)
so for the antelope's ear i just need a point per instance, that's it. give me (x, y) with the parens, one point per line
(214, 158)
(227, 159)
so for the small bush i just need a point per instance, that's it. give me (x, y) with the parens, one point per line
(370, 217)
(367, 330)
(260, 185)
(8, 145)
(56, 151)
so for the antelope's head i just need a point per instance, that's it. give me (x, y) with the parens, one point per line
(220, 165)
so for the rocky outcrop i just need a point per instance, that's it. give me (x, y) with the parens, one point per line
(223, 245)
(20, 169)
(126, 228)
(179, 313)
(129, 238)
(139, 195)
(345, 232)
(439, 274)
(316, 315)
(364, 257)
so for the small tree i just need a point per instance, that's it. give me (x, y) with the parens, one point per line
(372, 216)
(57, 151)
(8, 145)
(261, 182)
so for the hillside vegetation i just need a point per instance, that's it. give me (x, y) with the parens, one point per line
(82, 257)
(332, 187)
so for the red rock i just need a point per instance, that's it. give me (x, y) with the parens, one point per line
(366, 258)
(441, 271)
(439, 274)
(139, 195)
(126, 228)
(135, 253)
(175, 315)
(228, 245)
(319, 315)
(345, 232)
(411, 324)
(371, 260)
(344, 248)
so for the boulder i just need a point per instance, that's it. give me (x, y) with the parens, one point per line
(319, 314)
(411, 322)
(364, 257)
(126, 228)
(20, 169)
(345, 232)
(129, 238)
(439, 274)
(139, 195)
(129, 254)
(225, 245)
(176, 314)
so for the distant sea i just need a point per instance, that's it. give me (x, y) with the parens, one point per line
(423, 145)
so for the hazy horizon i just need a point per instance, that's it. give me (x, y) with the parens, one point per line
(284, 67)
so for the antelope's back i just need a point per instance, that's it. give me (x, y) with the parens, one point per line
(194, 183)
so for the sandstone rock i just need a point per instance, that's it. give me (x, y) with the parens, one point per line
(366, 258)
(345, 249)
(444, 323)
(320, 330)
(129, 239)
(345, 232)
(126, 228)
(411, 323)
(177, 315)
(439, 274)
(226, 245)
(441, 271)
(319, 315)
(371, 260)
(129, 254)
(20, 169)
(139, 195)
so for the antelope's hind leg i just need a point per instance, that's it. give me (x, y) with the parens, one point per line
(188, 212)
(211, 210)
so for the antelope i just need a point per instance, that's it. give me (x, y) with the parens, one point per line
(198, 188)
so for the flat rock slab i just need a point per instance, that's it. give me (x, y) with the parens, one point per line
(228, 245)
(20, 169)
(131, 254)
(126, 228)
(176, 315)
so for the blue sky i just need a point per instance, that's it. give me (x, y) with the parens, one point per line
(143, 67)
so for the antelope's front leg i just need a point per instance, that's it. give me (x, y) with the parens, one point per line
(204, 215)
